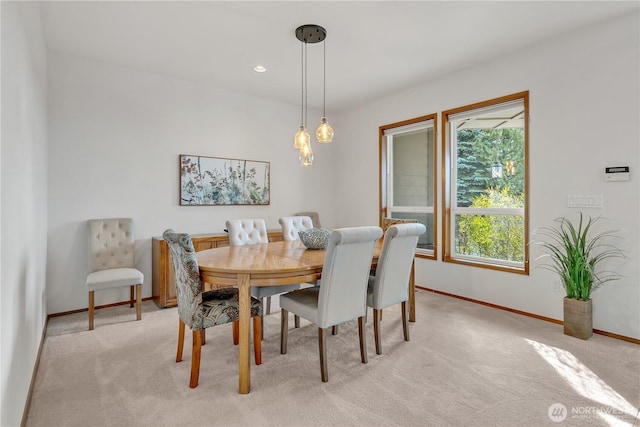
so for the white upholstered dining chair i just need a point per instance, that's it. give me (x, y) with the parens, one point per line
(342, 293)
(315, 217)
(291, 225)
(390, 284)
(112, 260)
(252, 232)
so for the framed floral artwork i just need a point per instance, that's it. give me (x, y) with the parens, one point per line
(210, 181)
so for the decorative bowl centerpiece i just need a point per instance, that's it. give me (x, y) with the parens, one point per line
(315, 238)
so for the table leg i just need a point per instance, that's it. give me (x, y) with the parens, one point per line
(412, 294)
(244, 302)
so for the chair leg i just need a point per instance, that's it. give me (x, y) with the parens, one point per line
(322, 346)
(236, 332)
(91, 310)
(257, 340)
(334, 330)
(376, 330)
(204, 336)
(131, 299)
(405, 326)
(284, 330)
(180, 340)
(138, 301)
(262, 327)
(195, 358)
(363, 340)
(296, 320)
(262, 316)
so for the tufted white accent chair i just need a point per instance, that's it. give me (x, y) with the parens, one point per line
(247, 231)
(390, 284)
(342, 294)
(315, 218)
(112, 260)
(292, 224)
(251, 232)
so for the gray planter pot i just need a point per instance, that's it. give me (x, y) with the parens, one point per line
(578, 318)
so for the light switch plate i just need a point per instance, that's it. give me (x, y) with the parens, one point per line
(585, 201)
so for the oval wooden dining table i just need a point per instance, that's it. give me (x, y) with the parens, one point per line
(268, 264)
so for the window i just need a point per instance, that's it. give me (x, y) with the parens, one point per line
(407, 176)
(485, 184)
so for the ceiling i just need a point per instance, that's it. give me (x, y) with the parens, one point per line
(373, 48)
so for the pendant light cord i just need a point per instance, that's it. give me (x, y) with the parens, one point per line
(324, 78)
(302, 84)
(306, 85)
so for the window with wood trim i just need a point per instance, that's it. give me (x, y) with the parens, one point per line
(408, 176)
(485, 184)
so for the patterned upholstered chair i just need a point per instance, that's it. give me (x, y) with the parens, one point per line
(252, 232)
(388, 222)
(342, 294)
(112, 260)
(291, 225)
(200, 310)
(390, 285)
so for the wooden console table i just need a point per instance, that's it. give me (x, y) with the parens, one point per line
(163, 282)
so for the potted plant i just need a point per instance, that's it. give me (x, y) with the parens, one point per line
(577, 255)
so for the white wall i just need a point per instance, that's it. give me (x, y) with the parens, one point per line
(115, 135)
(23, 202)
(584, 92)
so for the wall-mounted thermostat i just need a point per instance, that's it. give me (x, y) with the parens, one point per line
(616, 173)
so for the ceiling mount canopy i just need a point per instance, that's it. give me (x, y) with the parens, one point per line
(311, 33)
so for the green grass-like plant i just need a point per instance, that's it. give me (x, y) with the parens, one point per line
(576, 254)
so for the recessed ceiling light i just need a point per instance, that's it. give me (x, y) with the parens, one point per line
(259, 69)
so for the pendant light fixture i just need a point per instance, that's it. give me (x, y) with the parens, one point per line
(302, 138)
(324, 133)
(310, 33)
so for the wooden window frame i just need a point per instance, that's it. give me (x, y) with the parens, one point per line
(447, 249)
(382, 167)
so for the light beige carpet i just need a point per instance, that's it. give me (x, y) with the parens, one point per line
(466, 365)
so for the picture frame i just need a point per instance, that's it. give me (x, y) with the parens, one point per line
(215, 181)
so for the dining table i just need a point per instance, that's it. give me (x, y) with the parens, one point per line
(266, 264)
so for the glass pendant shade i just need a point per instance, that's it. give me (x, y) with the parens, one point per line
(306, 155)
(301, 138)
(324, 133)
